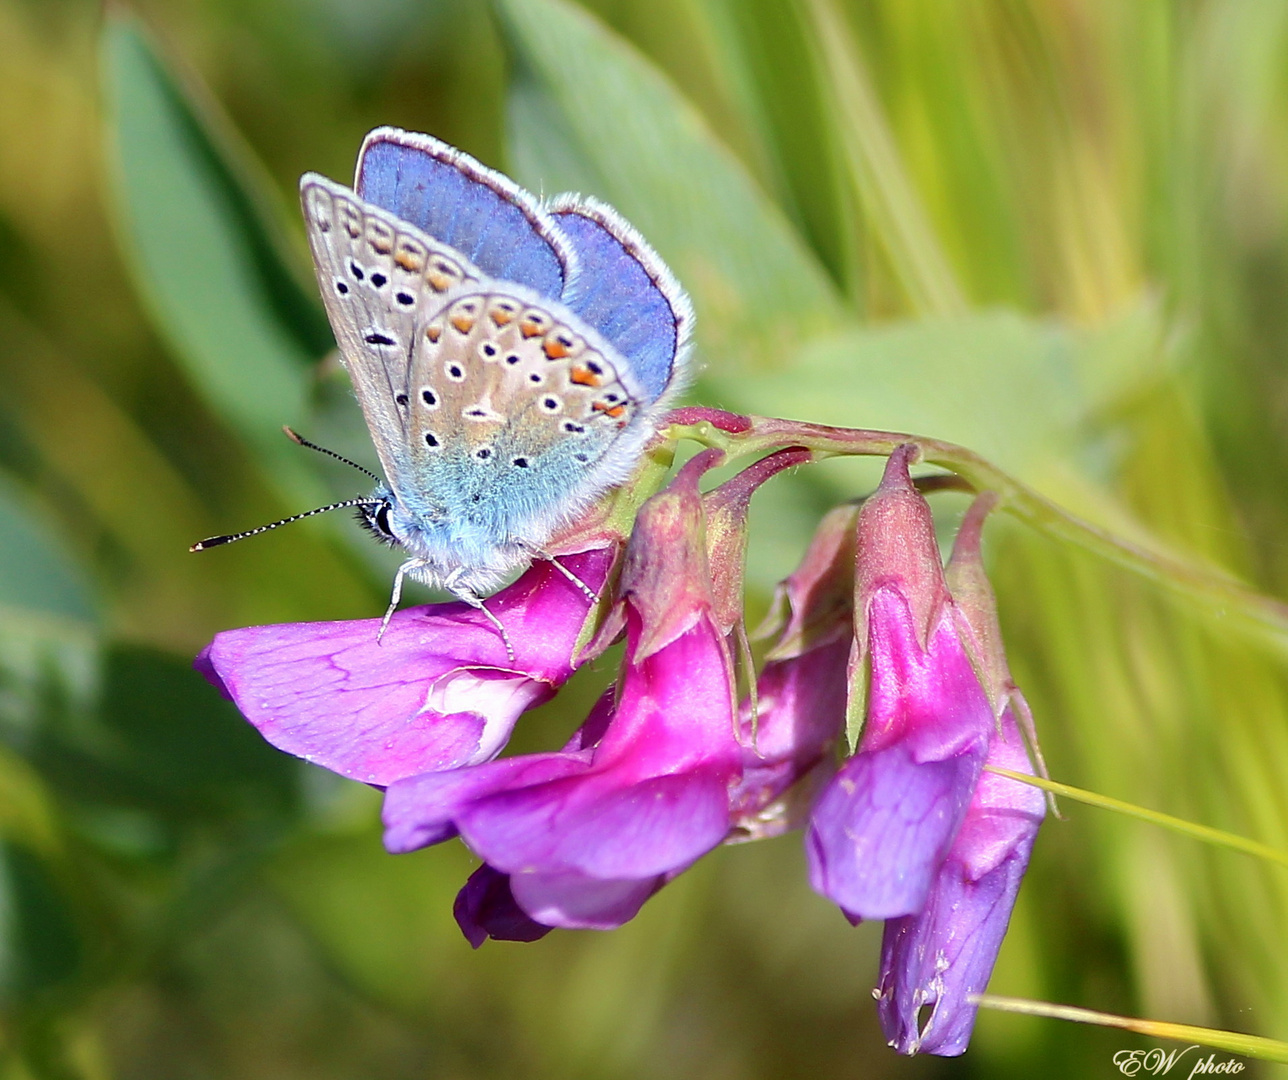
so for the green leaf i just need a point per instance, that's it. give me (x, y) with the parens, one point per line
(161, 751)
(185, 742)
(205, 248)
(36, 573)
(40, 946)
(611, 125)
(1022, 392)
(773, 74)
(48, 640)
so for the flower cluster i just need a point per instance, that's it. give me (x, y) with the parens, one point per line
(872, 631)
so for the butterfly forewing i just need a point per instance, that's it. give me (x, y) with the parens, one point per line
(512, 409)
(378, 277)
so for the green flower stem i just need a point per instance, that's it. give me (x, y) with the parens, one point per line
(1198, 832)
(1215, 591)
(1235, 1042)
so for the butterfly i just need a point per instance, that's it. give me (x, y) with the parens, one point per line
(511, 357)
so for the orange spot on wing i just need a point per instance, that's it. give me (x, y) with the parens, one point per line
(409, 261)
(433, 332)
(584, 377)
(463, 323)
(501, 316)
(530, 328)
(350, 219)
(609, 410)
(438, 281)
(555, 349)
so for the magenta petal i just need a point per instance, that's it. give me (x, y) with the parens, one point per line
(485, 908)
(327, 692)
(574, 901)
(801, 707)
(592, 825)
(930, 697)
(882, 827)
(437, 692)
(422, 810)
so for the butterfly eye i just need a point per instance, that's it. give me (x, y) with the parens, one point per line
(377, 521)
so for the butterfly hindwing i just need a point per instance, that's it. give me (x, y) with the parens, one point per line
(376, 275)
(515, 409)
(626, 292)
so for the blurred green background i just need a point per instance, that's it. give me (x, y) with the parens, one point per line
(1056, 232)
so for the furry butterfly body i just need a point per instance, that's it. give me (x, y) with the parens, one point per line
(511, 360)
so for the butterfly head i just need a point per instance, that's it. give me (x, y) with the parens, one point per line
(376, 516)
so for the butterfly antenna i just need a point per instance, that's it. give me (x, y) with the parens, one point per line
(217, 541)
(296, 437)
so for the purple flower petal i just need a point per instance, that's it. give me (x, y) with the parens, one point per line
(422, 810)
(883, 826)
(801, 703)
(437, 692)
(943, 954)
(885, 823)
(575, 901)
(940, 956)
(588, 835)
(485, 908)
(929, 697)
(594, 825)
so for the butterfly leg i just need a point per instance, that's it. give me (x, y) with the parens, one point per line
(539, 553)
(410, 564)
(453, 585)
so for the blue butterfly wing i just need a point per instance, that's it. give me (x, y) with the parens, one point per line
(624, 290)
(489, 219)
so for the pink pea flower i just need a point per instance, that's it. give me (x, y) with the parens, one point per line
(437, 692)
(585, 835)
(801, 693)
(944, 953)
(882, 828)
